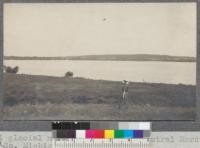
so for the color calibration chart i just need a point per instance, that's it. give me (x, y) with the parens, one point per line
(101, 134)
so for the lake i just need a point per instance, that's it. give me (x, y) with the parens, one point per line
(136, 71)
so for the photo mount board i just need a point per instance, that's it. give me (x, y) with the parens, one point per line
(179, 125)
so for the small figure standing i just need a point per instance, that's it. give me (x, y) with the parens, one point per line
(125, 91)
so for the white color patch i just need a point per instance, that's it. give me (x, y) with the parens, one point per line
(80, 133)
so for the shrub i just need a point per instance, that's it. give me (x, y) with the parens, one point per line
(9, 69)
(69, 74)
(15, 69)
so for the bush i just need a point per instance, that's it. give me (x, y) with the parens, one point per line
(69, 74)
(9, 69)
(15, 69)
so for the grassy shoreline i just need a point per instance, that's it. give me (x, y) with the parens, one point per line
(47, 97)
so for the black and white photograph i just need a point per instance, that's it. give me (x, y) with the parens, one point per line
(99, 61)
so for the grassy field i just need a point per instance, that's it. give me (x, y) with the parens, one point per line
(45, 97)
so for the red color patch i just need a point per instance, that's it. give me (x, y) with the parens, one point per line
(99, 134)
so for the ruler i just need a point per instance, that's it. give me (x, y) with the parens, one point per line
(100, 143)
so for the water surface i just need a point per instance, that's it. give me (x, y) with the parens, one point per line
(137, 71)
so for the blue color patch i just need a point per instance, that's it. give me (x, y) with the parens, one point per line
(128, 134)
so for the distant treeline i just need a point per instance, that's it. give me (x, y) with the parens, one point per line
(134, 57)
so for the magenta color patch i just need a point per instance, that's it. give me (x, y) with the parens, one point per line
(90, 134)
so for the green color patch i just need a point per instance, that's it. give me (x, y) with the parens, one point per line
(119, 134)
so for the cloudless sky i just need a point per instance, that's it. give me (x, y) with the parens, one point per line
(87, 29)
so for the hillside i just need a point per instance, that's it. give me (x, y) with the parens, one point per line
(113, 57)
(46, 97)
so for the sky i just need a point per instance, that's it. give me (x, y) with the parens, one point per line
(99, 28)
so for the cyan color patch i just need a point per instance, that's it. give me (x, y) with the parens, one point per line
(128, 134)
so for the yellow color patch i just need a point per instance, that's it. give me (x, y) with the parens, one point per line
(109, 134)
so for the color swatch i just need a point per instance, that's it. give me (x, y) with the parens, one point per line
(100, 134)
(101, 130)
(128, 134)
(109, 134)
(101, 125)
(119, 134)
